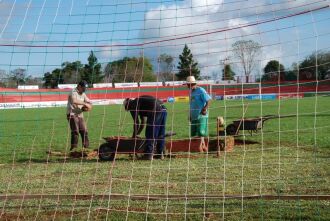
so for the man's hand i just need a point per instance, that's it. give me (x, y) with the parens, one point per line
(87, 107)
(204, 111)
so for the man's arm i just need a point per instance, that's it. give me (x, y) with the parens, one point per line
(207, 99)
(141, 126)
(135, 122)
(87, 100)
(204, 110)
(137, 126)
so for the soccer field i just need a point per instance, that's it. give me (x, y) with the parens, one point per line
(290, 156)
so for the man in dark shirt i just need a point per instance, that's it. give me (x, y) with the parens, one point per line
(150, 111)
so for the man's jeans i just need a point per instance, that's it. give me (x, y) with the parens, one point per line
(155, 133)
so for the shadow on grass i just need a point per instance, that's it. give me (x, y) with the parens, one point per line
(242, 142)
(56, 160)
(68, 160)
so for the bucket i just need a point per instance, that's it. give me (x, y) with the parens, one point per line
(202, 129)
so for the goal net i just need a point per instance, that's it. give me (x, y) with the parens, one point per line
(258, 150)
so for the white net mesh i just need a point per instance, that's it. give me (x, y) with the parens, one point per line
(265, 64)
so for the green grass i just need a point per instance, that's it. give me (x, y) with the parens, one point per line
(291, 158)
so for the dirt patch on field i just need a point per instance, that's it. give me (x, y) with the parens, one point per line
(76, 154)
(10, 216)
(245, 142)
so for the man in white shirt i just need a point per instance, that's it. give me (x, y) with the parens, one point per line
(77, 101)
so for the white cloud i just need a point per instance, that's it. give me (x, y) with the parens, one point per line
(108, 53)
(193, 17)
(206, 5)
(181, 21)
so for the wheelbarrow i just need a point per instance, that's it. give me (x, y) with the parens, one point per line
(252, 125)
(136, 146)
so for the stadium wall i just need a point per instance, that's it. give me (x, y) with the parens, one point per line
(16, 98)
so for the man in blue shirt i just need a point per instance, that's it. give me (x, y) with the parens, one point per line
(199, 103)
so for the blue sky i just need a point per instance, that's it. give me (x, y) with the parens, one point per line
(85, 24)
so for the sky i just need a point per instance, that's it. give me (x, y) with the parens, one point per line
(56, 31)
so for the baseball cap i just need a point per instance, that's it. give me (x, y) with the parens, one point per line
(83, 83)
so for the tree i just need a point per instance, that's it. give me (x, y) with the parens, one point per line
(291, 75)
(273, 71)
(227, 73)
(31, 80)
(129, 69)
(92, 71)
(187, 66)
(315, 66)
(71, 72)
(18, 75)
(3, 78)
(166, 67)
(51, 80)
(247, 52)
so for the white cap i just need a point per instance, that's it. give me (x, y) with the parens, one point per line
(191, 80)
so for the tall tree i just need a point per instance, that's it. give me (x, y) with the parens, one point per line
(72, 72)
(247, 52)
(69, 73)
(166, 67)
(315, 66)
(227, 73)
(129, 69)
(3, 78)
(51, 80)
(187, 66)
(291, 75)
(31, 80)
(18, 75)
(273, 71)
(92, 71)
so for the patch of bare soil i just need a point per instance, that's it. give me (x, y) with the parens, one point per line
(77, 154)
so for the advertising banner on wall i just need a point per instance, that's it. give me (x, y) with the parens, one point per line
(251, 97)
(174, 83)
(147, 84)
(102, 85)
(181, 99)
(43, 104)
(261, 97)
(67, 86)
(288, 96)
(235, 97)
(28, 87)
(218, 97)
(126, 85)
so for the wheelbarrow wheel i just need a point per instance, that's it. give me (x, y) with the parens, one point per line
(231, 130)
(106, 152)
